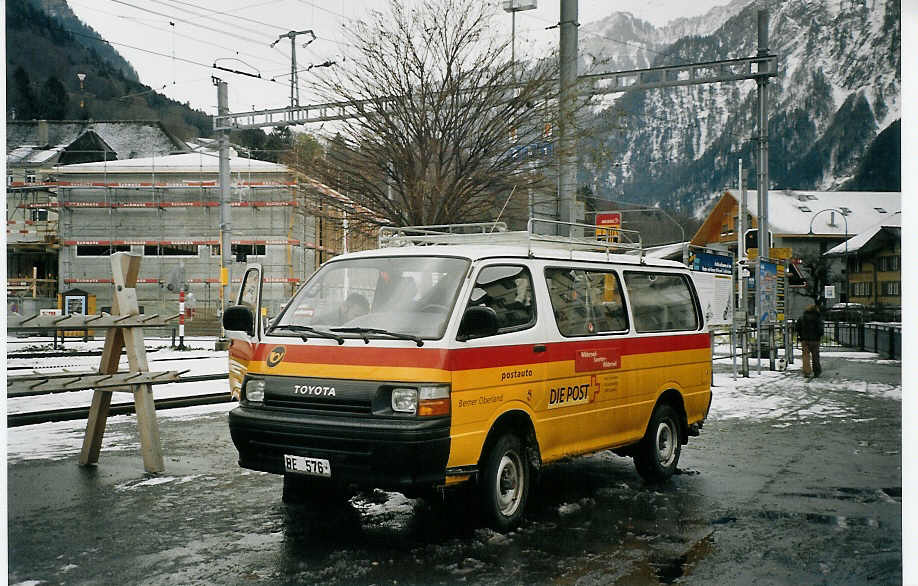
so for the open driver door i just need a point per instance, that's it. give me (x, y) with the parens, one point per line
(244, 327)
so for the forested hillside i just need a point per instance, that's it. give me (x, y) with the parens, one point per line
(44, 53)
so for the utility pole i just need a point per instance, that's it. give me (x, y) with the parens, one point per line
(762, 83)
(226, 229)
(567, 180)
(294, 77)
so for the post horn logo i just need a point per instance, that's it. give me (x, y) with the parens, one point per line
(275, 356)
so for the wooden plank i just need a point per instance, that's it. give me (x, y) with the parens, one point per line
(125, 269)
(101, 399)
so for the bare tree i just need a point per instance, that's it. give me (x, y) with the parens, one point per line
(818, 271)
(447, 126)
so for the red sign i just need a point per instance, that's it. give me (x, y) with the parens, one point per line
(587, 360)
(609, 220)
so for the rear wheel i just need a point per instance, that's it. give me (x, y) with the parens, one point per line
(657, 455)
(504, 483)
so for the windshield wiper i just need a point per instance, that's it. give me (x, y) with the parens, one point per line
(311, 330)
(364, 331)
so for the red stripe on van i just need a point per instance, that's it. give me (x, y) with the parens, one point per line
(464, 359)
(472, 358)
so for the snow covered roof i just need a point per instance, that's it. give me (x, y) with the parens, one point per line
(794, 212)
(893, 222)
(671, 251)
(128, 138)
(197, 162)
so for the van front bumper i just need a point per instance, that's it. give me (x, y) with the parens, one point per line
(370, 452)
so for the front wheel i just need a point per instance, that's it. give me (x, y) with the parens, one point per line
(504, 483)
(657, 455)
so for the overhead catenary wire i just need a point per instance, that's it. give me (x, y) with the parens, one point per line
(192, 23)
(143, 22)
(226, 13)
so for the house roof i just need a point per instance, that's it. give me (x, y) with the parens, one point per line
(128, 138)
(671, 251)
(794, 212)
(197, 162)
(864, 239)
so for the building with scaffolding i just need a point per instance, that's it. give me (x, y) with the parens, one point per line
(167, 208)
(34, 148)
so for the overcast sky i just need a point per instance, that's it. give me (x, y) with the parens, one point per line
(236, 34)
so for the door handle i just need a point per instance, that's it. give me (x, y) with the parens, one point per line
(539, 348)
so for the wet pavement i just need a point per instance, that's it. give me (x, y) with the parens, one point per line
(811, 495)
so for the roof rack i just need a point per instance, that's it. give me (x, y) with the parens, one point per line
(437, 234)
(565, 235)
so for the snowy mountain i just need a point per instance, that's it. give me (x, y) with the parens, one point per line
(837, 89)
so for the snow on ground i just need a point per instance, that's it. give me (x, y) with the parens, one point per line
(199, 359)
(783, 396)
(788, 396)
(64, 439)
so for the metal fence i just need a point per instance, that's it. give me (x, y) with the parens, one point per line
(883, 338)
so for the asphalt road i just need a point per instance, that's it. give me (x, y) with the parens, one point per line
(814, 499)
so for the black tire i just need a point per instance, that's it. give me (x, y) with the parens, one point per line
(303, 490)
(657, 455)
(504, 483)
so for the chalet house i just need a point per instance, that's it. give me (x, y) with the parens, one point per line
(875, 264)
(806, 222)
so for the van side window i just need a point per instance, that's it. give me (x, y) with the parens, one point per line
(586, 302)
(661, 302)
(506, 289)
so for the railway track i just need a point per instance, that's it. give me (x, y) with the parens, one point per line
(82, 412)
(71, 413)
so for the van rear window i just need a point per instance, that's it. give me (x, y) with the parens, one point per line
(586, 302)
(661, 302)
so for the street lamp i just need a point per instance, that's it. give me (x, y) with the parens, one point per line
(514, 6)
(845, 218)
(671, 219)
(81, 77)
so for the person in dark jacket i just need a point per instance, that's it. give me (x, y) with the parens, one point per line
(809, 331)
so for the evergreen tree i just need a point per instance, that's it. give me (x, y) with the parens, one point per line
(54, 100)
(24, 101)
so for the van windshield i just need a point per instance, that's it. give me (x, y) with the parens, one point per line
(405, 295)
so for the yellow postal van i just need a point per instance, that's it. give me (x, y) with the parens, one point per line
(445, 358)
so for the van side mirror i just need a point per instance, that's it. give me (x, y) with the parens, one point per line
(478, 321)
(239, 318)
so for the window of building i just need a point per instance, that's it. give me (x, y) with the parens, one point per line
(39, 215)
(661, 302)
(880, 210)
(507, 289)
(31, 178)
(888, 263)
(170, 250)
(891, 288)
(248, 249)
(101, 249)
(854, 264)
(805, 209)
(586, 302)
(240, 250)
(862, 289)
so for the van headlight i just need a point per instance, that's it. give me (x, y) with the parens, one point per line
(255, 390)
(424, 400)
(405, 400)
